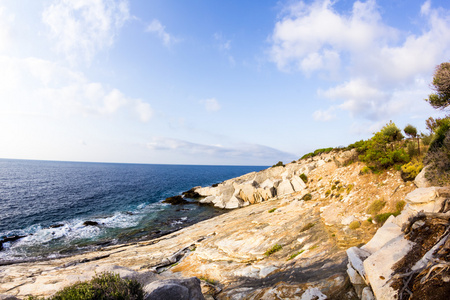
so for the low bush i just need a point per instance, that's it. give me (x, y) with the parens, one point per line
(307, 227)
(437, 158)
(410, 170)
(273, 249)
(272, 210)
(295, 254)
(354, 225)
(278, 164)
(106, 286)
(304, 177)
(317, 152)
(307, 197)
(375, 207)
(381, 218)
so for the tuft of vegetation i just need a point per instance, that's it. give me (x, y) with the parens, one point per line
(106, 286)
(354, 225)
(272, 210)
(399, 206)
(437, 158)
(294, 255)
(278, 164)
(327, 193)
(307, 227)
(208, 280)
(365, 170)
(304, 177)
(375, 207)
(317, 152)
(410, 170)
(381, 218)
(349, 188)
(307, 197)
(273, 249)
(441, 85)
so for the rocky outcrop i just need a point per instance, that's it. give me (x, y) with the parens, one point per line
(288, 240)
(404, 248)
(182, 289)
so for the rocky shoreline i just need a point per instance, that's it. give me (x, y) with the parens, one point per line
(292, 232)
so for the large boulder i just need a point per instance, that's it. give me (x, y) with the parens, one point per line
(285, 187)
(174, 289)
(421, 181)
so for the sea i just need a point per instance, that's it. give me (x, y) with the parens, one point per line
(44, 205)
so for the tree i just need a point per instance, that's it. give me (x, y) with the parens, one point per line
(391, 131)
(441, 85)
(411, 131)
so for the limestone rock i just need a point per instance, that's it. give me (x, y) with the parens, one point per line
(298, 184)
(379, 267)
(421, 181)
(356, 258)
(367, 294)
(8, 297)
(181, 289)
(388, 232)
(285, 187)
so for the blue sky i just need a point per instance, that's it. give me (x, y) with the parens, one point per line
(211, 82)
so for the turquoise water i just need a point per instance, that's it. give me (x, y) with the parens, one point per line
(48, 202)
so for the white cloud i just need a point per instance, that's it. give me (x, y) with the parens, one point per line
(224, 46)
(160, 30)
(211, 104)
(6, 23)
(243, 151)
(38, 86)
(324, 115)
(81, 28)
(382, 64)
(144, 110)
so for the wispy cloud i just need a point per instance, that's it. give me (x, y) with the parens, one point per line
(157, 28)
(251, 152)
(211, 104)
(82, 28)
(381, 62)
(224, 46)
(39, 86)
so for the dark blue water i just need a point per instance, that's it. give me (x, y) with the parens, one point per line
(48, 202)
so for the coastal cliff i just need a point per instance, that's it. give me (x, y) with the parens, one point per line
(292, 232)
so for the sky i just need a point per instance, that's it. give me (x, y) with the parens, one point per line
(212, 82)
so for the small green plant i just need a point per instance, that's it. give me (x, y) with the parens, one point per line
(354, 225)
(307, 197)
(375, 207)
(104, 286)
(349, 188)
(278, 164)
(294, 255)
(273, 249)
(272, 210)
(314, 247)
(369, 220)
(208, 280)
(327, 193)
(333, 187)
(365, 170)
(381, 218)
(399, 206)
(320, 178)
(307, 227)
(304, 177)
(410, 170)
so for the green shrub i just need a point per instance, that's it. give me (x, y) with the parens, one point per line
(410, 170)
(369, 220)
(304, 177)
(278, 164)
(381, 218)
(365, 170)
(375, 207)
(307, 197)
(426, 138)
(272, 210)
(354, 225)
(317, 152)
(349, 188)
(437, 158)
(399, 206)
(327, 193)
(106, 286)
(307, 227)
(295, 254)
(273, 249)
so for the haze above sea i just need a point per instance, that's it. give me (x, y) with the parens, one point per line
(48, 203)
